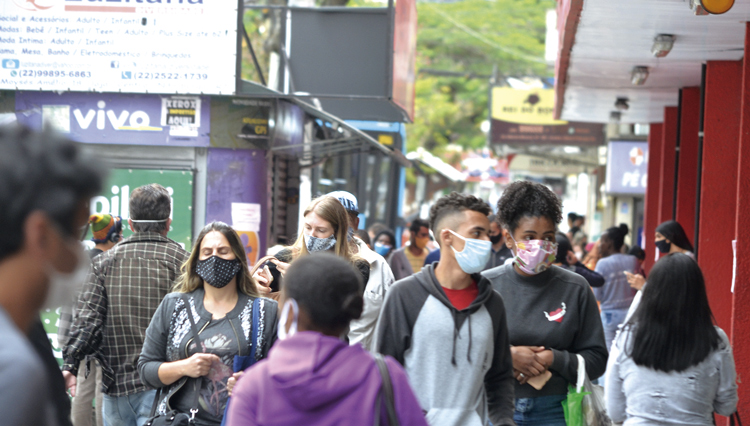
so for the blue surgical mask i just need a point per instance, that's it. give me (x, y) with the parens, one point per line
(382, 249)
(475, 255)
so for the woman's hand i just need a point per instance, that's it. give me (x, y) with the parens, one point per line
(522, 378)
(526, 361)
(571, 258)
(198, 365)
(263, 280)
(280, 266)
(233, 381)
(636, 281)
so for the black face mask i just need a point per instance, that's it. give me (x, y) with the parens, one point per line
(216, 271)
(494, 239)
(663, 246)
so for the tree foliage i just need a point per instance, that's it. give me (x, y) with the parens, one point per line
(471, 37)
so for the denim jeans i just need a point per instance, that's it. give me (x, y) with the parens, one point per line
(128, 410)
(542, 411)
(611, 319)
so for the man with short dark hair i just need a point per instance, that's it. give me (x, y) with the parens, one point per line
(447, 327)
(409, 259)
(120, 296)
(362, 330)
(45, 185)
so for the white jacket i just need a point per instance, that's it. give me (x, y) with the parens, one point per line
(362, 330)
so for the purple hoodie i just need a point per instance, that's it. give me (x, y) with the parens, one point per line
(312, 379)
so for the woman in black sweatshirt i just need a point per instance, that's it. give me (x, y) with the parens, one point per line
(551, 312)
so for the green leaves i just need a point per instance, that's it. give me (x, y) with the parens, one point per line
(471, 37)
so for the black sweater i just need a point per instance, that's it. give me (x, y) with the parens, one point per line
(555, 309)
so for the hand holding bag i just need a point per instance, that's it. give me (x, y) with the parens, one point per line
(585, 404)
(172, 416)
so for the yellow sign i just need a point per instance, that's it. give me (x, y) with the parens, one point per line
(534, 106)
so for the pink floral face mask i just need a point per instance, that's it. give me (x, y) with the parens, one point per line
(534, 256)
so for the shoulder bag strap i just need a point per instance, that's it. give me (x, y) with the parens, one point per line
(390, 404)
(189, 310)
(254, 330)
(736, 415)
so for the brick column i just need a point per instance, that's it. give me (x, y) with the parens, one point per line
(653, 188)
(666, 188)
(688, 165)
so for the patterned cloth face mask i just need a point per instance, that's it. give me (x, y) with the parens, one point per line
(314, 244)
(216, 271)
(534, 256)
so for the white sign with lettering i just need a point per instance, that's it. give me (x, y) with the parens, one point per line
(135, 46)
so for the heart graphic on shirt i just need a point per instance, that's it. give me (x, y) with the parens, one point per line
(556, 315)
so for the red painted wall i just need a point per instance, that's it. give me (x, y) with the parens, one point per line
(719, 183)
(740, 333)
(669, 141)
(687, 172)
(651, 208)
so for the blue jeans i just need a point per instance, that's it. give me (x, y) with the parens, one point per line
(128, 410)
(611, 319)
(542, 410)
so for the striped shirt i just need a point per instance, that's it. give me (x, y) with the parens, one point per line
(125, 286)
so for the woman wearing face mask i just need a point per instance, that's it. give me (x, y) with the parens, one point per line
(312, 377)
(217, 286)
(552, 313)
(325, 229)
(385, 241)
(670, 238)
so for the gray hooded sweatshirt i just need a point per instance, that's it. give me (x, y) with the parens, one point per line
(458, 362)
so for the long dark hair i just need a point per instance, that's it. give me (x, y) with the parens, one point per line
(673, 232)
(673, 325)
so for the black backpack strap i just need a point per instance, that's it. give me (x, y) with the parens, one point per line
(387, 389)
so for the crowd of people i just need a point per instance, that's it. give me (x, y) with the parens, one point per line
(487, 328)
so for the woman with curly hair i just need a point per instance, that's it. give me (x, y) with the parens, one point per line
(552, 313)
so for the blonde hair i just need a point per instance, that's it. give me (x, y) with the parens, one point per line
(190, 281)
(331, 210)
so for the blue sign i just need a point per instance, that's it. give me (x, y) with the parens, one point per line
(12, 64)
(125, 119)
(627, 167)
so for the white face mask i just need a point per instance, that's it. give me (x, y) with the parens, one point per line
(281, 331)
(64, 287)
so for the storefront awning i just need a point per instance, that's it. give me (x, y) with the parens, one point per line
(440, 166)
(347, 139)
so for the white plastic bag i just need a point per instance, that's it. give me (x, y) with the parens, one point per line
(594, 408)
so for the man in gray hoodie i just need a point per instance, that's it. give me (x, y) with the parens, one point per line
(447, 326)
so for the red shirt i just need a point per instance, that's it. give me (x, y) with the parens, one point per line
(461, 299)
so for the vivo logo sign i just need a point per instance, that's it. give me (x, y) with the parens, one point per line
(124, 120)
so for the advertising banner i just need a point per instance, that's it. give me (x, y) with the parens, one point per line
(157, 46)
(627, 168)
(112, 118)
(115, 197)
(525, 117)
(237, 194)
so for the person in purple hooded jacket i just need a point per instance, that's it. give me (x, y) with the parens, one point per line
(311, 376)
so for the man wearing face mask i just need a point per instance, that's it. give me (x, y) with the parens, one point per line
(45, 185)
(500, 252)
(447, 326)
(380, 279)
(409, 259)
(120, 296)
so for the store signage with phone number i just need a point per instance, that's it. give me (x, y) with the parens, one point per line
(177, 46)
